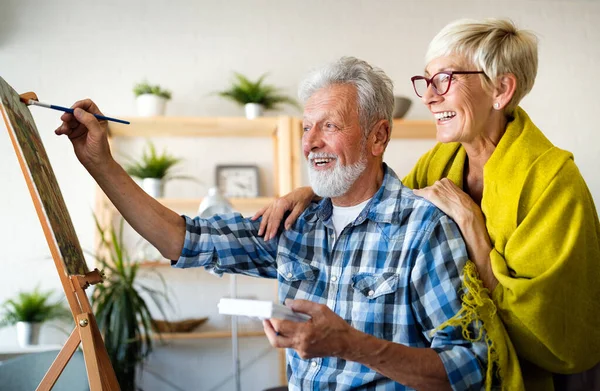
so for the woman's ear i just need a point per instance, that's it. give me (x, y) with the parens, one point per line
(506, 86)
(381, 136)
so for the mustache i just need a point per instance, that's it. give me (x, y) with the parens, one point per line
(321, 155)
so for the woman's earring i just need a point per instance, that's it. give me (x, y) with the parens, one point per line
(496, 105)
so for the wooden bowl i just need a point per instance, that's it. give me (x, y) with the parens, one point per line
(182, 326)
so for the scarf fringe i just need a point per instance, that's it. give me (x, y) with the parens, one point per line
(476, 306)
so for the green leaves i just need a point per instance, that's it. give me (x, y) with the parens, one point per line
(154, 89)
(245, 91)
(121, 311)
(34, 307)
(152, 165)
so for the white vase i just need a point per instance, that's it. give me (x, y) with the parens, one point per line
(150, 105)
(153, 186)
(214, 203)
(253, 110)
(28, 333)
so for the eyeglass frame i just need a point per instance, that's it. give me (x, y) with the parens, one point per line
(429, 81)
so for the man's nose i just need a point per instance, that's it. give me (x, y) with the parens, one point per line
(311, 140)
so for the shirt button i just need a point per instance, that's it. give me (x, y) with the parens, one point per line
(313, 364)
(371, 293)
(289, 275)
(333, 278)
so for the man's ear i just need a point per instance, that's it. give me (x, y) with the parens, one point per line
(381, 136)
(506, 85)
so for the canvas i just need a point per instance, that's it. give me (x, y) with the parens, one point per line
(41, 181)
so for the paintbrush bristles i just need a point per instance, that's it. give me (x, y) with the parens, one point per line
(26, 97)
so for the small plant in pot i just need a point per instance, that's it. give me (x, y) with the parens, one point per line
(255, 96)
(28, 311)
(151, 99)
(153, 170)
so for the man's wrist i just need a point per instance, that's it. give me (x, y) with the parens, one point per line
(104, 169)
(361, 347)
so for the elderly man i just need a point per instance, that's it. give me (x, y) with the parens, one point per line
(377, 268)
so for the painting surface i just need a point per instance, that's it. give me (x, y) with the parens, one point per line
(43, 186)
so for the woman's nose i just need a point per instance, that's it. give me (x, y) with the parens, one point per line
(430, 96)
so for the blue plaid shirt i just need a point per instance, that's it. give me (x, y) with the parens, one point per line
(394, 273)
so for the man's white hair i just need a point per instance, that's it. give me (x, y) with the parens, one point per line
(373, 87)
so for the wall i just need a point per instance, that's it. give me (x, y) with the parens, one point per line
(67, 50)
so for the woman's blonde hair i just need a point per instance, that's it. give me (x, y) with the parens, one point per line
(496, 46)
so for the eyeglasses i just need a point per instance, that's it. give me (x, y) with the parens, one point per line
(440, 81)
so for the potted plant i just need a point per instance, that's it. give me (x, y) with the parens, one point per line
(255, 96)
(153, 169)
(120, 306)
(28, 310)
(151, 99)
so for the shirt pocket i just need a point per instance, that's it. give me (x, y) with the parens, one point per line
(373, 286)
(375, 303)
(298, 277)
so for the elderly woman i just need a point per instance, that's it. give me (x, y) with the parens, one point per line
(525, 212)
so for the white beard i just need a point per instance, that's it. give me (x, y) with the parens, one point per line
(334, 182)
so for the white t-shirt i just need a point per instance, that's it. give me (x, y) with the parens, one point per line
(344, 215)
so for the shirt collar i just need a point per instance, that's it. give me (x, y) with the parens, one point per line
(381, 207)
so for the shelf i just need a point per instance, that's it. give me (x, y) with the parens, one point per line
(239, 204)
(150, 264)
(15, 350)
(8, 352)
(207, 335)
(242, 204)
(195, 127)
(239, 127)
(413, 129)
(284, 134)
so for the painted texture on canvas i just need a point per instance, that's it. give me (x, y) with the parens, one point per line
(20, 123)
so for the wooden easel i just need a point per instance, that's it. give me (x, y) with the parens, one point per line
(101, 375)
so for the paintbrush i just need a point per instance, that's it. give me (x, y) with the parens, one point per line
(30, 98)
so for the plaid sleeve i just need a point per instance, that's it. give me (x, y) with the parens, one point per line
(436, 288)
(227, 243)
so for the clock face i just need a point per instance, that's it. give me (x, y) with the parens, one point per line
(238, 181)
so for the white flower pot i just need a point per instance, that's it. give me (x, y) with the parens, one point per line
(149, 105)
(253, 110)
(153, 186)
(28, 333)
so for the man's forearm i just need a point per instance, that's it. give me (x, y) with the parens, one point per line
(419, 368)
(162, 227)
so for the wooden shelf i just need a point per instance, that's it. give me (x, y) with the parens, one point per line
(284, 134)
(240, 204)
(208, 335)
(150, 264)
(238, 127)
(413, 129)
(195, 127)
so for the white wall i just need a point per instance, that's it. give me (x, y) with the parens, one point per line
(67, 50)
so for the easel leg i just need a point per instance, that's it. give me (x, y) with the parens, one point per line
(89, 351)
(107, 374)
(100, 371)
(60, 362)
(101, 375)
